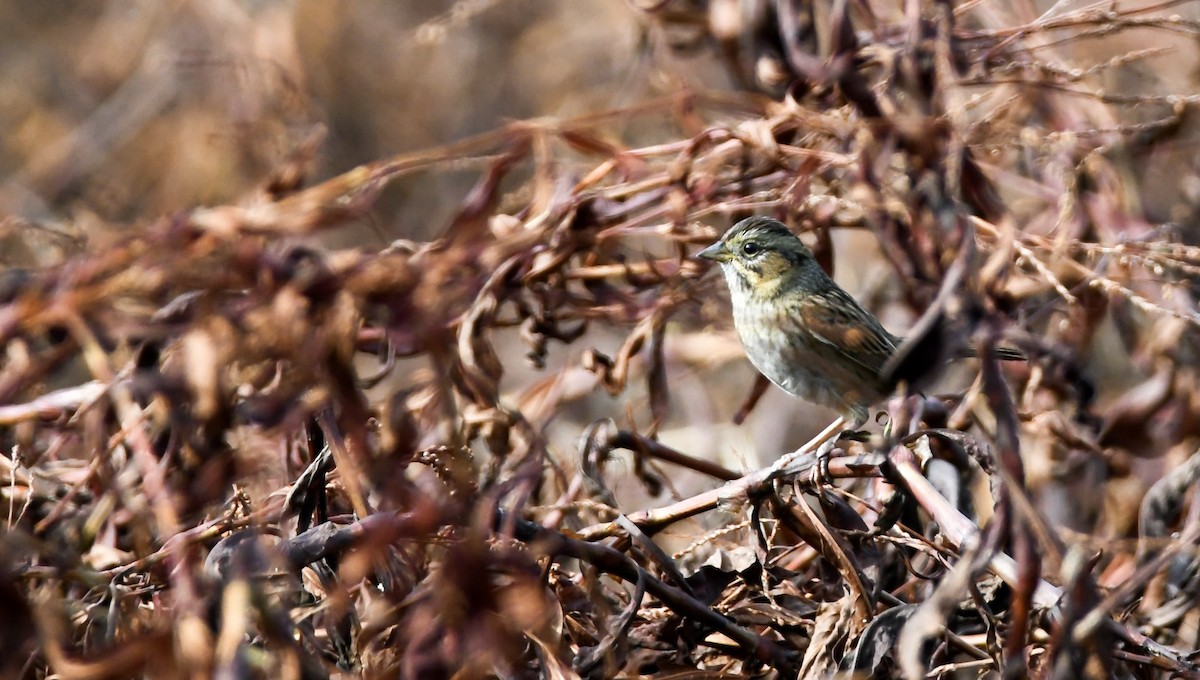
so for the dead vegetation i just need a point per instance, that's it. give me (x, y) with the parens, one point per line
(286, 460)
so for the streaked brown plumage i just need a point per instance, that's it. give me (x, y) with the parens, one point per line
(799, 328)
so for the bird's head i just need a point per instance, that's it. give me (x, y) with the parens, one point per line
(761, 258)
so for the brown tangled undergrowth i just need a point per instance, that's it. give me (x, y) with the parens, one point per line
(290, 461)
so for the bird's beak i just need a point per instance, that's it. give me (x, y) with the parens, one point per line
(717, 252)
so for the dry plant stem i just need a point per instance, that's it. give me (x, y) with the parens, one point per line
(959, 530)
(754, 485)
(644, 445)
(606, 271)
(380, 528)
(785, 463)
(963, 533)
(198, 534)
(345, 461)
(338, 198)
(756, 392)
(153, 479)
(614, 562)
(555, 517)
(52, 405)
(63, 505)
(1096, 280)
(953, 668)
(125, 660)
(1190, 536)
(863, 606)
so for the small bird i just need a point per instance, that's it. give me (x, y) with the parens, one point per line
(798, 327)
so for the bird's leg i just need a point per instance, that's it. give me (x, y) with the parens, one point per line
(825, 443)
(820, 471)
(784, 464)
(849, 431)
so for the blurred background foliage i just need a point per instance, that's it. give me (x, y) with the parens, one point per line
(117, 112)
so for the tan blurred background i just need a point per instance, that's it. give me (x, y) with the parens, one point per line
(119, 112)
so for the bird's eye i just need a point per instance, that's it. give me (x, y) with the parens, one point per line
(750, 248)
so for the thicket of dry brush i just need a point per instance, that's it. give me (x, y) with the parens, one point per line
(293, 461)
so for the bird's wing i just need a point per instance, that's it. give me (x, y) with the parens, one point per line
(836, 320)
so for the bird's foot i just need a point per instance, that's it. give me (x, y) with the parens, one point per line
(820, 472)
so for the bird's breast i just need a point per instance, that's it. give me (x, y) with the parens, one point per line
(779, 346)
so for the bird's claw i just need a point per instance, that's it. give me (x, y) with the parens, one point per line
(820, 472)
